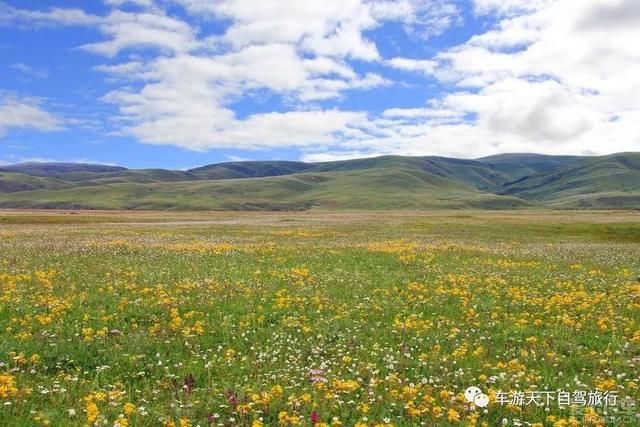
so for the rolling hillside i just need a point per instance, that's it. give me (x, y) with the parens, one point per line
(376, 188)
(600, 182)
(249, 169)
(521, 165)
(12, 182)
(388, 182)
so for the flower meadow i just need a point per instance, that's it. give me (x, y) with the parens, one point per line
(325, 319)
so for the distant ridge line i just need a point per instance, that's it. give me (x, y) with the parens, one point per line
(503, 181)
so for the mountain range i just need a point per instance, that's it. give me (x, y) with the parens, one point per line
(503, 181)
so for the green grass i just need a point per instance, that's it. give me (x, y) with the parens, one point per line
(148, 318)
(382, 188)
(11, 182)
(608, 181)
(382, 183)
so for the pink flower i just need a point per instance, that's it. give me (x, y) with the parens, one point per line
(316, 376)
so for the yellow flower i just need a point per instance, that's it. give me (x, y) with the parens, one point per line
(92, 412)
(198, 327)
(8, 387)
(285, 419)
(87, 334)
(453, 415)
(276, 390)
(346, 386)
(129, 408)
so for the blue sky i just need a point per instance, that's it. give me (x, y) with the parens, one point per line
(182, 83)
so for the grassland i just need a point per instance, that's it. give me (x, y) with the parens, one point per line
(507, 181)
(325, 318)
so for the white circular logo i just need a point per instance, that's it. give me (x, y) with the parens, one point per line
(471, 393)
(481, 400)
(474, 395)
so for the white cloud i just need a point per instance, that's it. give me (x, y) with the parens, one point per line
(508, 7)
(10, 15)
(545, 111)
(332, 28)
(134, 30)
(25, 113)
(322, 27)
(430, 18)
(123, 69)
(125, 30)
(434, 114)
(555, 76)
(141, 3)
(218, 128)
(328, 156)
(537, 81)
(426, 66)
(301, 51)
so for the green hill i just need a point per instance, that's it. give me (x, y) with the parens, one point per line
(376, 188)
(12, 182)
(469, 172)
(599, 182)
(387, 182)
(249, 169)
(58, 170)
(520, 165)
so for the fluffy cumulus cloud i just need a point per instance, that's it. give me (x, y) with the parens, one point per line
(426, 66)
(560, 76)
(25, 113)
(555, 76)
(138, 30)
(301, 51)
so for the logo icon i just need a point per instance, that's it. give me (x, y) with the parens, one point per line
(474, 395)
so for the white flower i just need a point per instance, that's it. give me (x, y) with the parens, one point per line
(71, 412)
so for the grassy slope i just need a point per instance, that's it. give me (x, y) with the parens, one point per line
(388, 182)
(58, 169)
(469, 172)
(376, 188)
(235, 170)
(11, 182)
(609, 181)
(518, 166)
(484, 173)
